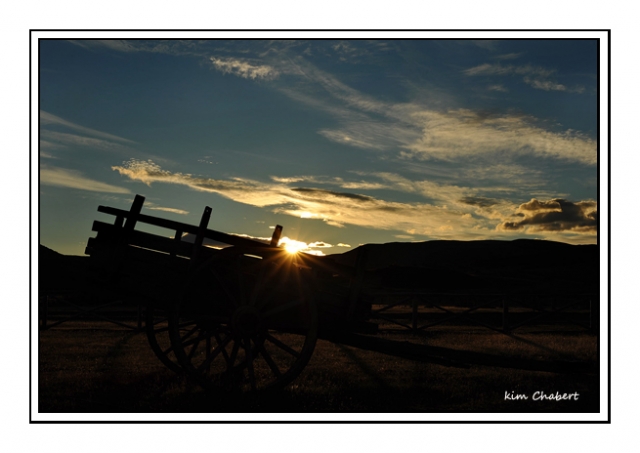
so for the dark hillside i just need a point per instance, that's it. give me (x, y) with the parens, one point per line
(521, 265)
(461, 265)
(61, 272)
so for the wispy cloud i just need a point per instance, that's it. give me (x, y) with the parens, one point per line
(61, 177)
(534, 76)
(408, 129)
(46, 155)
(63, 138)
(48, 119)
(498, 87)
(465, 133)
(518, 177)
(46, 147)
(453, 212)
(333, 207)
(545, 85)
(498, 69)
(548, 85)
(337, 181)
(169, 47)
(458, 134)
(488, 44)
(75, 136)
(173, 210)
(347, 52)
(244, 68)
(509, 56)
(414, 131)
(450, 194)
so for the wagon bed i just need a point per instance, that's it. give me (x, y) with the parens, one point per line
(243, 314)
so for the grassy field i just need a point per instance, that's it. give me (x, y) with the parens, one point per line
(96, 367)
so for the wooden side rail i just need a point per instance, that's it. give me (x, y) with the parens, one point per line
(109, 233)
(186, 228)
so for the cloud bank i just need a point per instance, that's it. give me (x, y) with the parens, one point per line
(454, 212)
(555, 215)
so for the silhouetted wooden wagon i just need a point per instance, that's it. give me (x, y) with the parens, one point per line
(240, 313)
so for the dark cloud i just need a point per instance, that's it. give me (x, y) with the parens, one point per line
(320, 244)
(323, 193)
(537, 205)
(555, 215)
(481, 202)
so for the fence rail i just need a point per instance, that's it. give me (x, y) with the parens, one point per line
(58, 307)
(418, 311)
(411, 311)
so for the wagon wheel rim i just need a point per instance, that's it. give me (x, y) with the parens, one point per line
(157, 331)
(261, 335)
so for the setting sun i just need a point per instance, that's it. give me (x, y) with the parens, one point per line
(292, 246)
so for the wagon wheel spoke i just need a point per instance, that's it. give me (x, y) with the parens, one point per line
(167, 351)
(194, 345)
(188, 339)
(267, 357)
(211, 355)
(190, 332)
(251, 371)
(283, 346)
(225, 354)
(259, 336)
(157, 332)
(234, 354)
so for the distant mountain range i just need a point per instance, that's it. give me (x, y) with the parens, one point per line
(59, 271)
(523, 265)
(459, 265)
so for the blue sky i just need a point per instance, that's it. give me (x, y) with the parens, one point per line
(342, 142)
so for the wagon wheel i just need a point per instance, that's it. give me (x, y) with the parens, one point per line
(245, 324)
(157, 330)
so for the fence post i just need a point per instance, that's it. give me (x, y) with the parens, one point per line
(357, 281)
(594, 316)
(140, 316)
(45, 312)
(505, 314)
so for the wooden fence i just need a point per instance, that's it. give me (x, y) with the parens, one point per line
(58, 307)
(418, 311)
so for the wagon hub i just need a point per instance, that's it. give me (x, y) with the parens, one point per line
(246, 321)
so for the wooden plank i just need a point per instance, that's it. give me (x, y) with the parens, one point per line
(275, 238)
(202, 228)
(176, 241)
(107, 233)
(186, 228)
(132, 218)
(103, 226)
